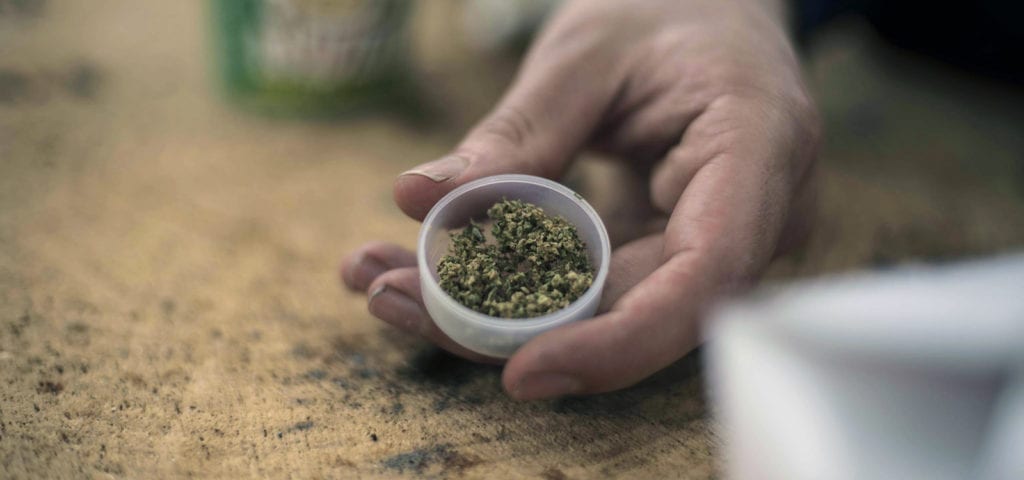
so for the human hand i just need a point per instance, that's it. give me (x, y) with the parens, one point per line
(705, 98)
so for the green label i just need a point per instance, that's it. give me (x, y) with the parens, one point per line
(311, 52)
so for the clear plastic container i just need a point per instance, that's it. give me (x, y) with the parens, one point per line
(494, 336)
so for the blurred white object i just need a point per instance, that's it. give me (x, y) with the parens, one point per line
(914, 373)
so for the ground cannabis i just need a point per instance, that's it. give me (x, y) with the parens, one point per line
(534, 263)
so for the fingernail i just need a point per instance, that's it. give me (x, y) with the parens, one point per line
(395, 307)
(377, 292)
(546, 385)
(367, 270)
(442, 169)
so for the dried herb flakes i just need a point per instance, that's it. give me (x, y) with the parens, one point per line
(534, 263)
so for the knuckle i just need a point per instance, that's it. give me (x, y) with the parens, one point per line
(806, 125)
(508, 124)
(670, 180)
(731, 77)
(508, 136)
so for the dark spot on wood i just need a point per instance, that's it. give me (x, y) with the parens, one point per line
(442, 404)
(50, 387)
(447, 400)
(480, 438)
(14, 86)
(83, 80)
(416, 460)
(26, 8)
(77, 328)
(23, 321)
(366, 373)
(343, 462)
(552, 473)
(436, 368)
(348, 350)
(301, 426)
(168, 306)
(503, 434)
(135, 380)
(443, 456)
(395, 409)
(457, 462)
(316, 374)
(303, 351)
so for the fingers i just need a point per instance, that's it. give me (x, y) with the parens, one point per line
(652, 324)
(737, 206)
(576, 344)
(361, 267)
(395, 298)
(543, 120)
(725, 225)
(630, 264)
(674, 173)
(388, 274)
(619, 348)
(747, 129)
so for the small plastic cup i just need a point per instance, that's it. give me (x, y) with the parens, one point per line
(495, 336)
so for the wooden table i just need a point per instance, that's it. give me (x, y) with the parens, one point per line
(168, 295)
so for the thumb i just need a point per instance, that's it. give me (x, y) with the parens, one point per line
(542, 121)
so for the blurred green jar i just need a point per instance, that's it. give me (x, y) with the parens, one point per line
(313, 57)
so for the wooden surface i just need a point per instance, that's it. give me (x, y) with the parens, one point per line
(168, 295)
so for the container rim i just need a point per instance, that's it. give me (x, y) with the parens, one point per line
(450, 303)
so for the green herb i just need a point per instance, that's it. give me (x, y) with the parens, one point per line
(534, 263)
